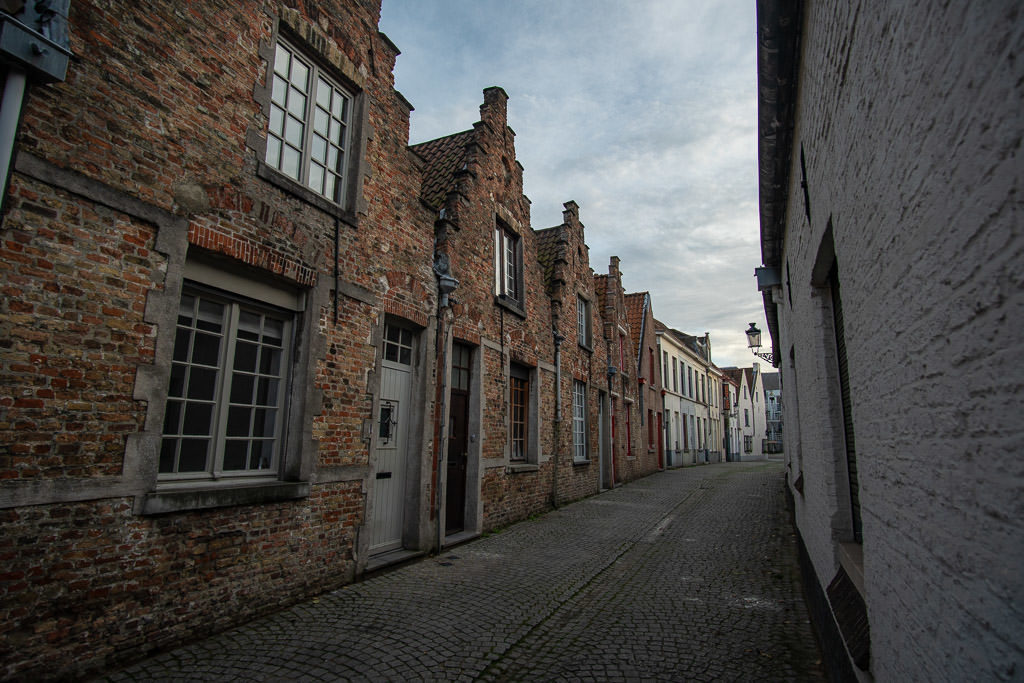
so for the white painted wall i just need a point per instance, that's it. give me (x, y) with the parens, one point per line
(910, 121)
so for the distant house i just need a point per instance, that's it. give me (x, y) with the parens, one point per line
(645, 342)
(890, 201)
(750, 410)
(773, 412)
(733, 437)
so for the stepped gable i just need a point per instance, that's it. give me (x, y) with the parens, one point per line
(444, 157)
(550, 245)
(635, 316)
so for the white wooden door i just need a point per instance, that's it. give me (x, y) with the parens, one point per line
(394, 412)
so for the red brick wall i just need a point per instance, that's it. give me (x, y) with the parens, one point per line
(160, 111)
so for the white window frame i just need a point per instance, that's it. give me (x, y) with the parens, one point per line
(309, 123)
(583, 324)
(507, 263)
(220, 399)
(579, 421)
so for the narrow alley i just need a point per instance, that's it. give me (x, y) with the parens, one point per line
(689, 574)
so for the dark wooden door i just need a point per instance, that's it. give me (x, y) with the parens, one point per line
(458, 442)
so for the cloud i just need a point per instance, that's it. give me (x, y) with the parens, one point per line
(642, 112)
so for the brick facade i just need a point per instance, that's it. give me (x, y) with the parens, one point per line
(650, 446)
(146, 162)
(890, 224)
(148, 219)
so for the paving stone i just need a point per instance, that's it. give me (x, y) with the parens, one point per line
(689, 574)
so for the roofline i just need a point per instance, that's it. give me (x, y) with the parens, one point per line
(779, 25)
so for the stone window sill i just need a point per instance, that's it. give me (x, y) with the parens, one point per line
(283, 182)
(581, 463)
(510, 304)
(519, 467)
(851, 558)
(207, 497)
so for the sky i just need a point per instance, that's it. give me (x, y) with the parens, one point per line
(643, 112)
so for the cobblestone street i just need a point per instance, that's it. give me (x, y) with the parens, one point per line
(689, 574)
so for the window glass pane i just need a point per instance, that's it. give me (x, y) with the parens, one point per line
(172, 417)
(316, 177)
(405, 356)
(293, 132)
(249, 325)
(323, 93)
(238, 421)
(296, 103)
(193, 455)
(273, 331)
(276, 120)
(290, 162)
(177, 387)
(266, 394)
(235, 454)
(336, 129)
(333, 154)
(205, 349)
(340, 106)
(270, 361)
(321, 121)
(202, 383)
(241, 388)
(273, 151)
(263, 422)
(211, 316)
(319, 150)
(263, 454)
(168, 449)
(406, 338)
(330, 183)
(390, 352)
(281, 60)
(300, 74)
(245, 357)
(198, 417)
(279, 91)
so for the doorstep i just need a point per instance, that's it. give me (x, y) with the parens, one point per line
(391, 558)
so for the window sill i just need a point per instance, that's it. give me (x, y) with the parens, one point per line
(163, 502)
(519, 467)
(586, 347)
(851, 558)
(283, 182)
(581, 463)
(510, 304)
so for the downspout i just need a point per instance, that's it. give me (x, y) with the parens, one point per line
(10, 116)
(557, 426)
(611, 421)
(446, 284)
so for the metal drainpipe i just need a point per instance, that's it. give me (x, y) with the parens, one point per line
(558, 416)
(442, 439)
(10, 116)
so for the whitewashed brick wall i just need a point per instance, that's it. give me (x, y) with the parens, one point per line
(910, 116)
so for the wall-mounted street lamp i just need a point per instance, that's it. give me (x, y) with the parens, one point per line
(754, 342)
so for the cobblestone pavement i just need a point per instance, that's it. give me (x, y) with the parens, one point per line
(689, 574)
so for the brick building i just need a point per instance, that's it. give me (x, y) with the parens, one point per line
(628, 445)
(583, 464)
(891, 236)
(217, 285)
(651, 447)
(499, 327)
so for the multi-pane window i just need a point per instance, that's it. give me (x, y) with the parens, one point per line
(675, 377)
(664, 369)
(308, 135)
(225, 401)
(460, 367)
(519, 402)
(583, 321)
(746, 417)
(650, 429)
(579, 420)
(689, 380)
(507, 263)
(397, 344)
